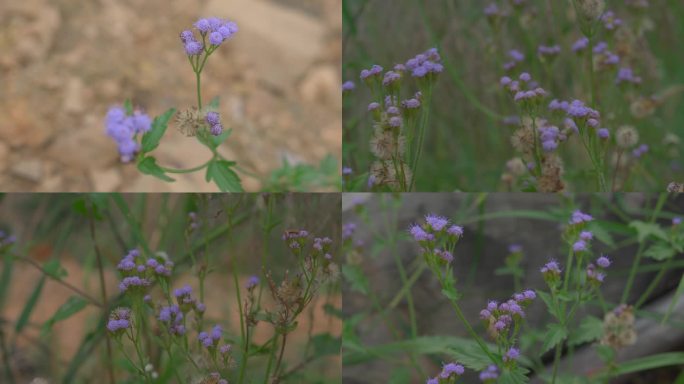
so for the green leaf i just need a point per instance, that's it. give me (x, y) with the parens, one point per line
(555, 334)
(151, 138)
(149, 166)
(645, 230)
(660, 251)
(400, 375)
(601, 233)
(605, 353)
(5, 279)
(224, 177)
(645, 363)
(325, 344)
(128, 107)
(54, 269)
(675, 299)
(590, 329)
(72, 306)
(512, 377)
(356, 278)
(214, 103)
(30, 305)
(546, 298)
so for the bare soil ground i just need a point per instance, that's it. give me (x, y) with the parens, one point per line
(64, 63)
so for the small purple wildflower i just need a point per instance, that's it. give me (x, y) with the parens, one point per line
(579, 246)
(586, 235)
(515, 248)
(419, 234)
(512, 354)
(214, 121)
(603, 133)
(252, 282)
(580, 45)
(451, 370)
(550, 50)
(579, 218)
(551, 267)
(348, 86)
(676, 221)
(491, 373)
(455, 230)
(437, 223)
(640, 151)
(626, 75)
(603, 262)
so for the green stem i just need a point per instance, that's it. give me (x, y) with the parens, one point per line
(635, 265)
(199, 94)
(188, 170)
(421, 135)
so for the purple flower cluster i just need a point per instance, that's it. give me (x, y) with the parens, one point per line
(551, 271)
(348, 230)
(172, 318)
(610, 20)
(214, 121)
(578, 218)
(295, 239)
(134, 284)
(252, 282)
(373, 72)
(515, 248)
(211, 340)
(426, 64)
(501, 317)
(676, 221)
(490, 374)
(449, 371)
(516, 57)
(639, 151)
(626, 75)
(6, 239)
(511, 355)
(550, 136)
(604, 57)
(522, 89)
(595, 272)
(133, 264)
(119, 320)
(549, 50)
(322, 246)
(580, 45)
(217, 29)
(124, 129)
(186, 302)
(434, 225)
(348, 86)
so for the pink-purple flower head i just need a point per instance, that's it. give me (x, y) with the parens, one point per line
(549, 50)
(676, 221)
(579, 246)
(516, 57)
(511, 355)
(639, 151)
(172, 317)
(252, 282)
(490, 374)
(455, 231)
(426, 64)
(580, 45)
(549, 137)
(594, 276)
(445, 255)
(213, 119)
(436, 222)
(391, 78)
(134, 284)
(610, 20)
(451, 370)
(626, 75)
(419, 234)
(124, 128)
(586, 235)
(119, 320)
(410, 104)
(348, 86)
(432, 380)
(603, 133)
(603, 261)
(374, 71)
(551, 268)
(578, 217)
(515, 248)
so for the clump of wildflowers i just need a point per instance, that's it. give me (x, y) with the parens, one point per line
(490, 374)
(124, 128)
(172, 318)
(119, 321)
(449, 371)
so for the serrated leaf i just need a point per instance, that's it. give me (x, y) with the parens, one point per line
(149, 166)
(589, 329)
(72, 306)
(555, 334)
(645, 230)
(660, 251)
(54, 269)
(151, 138)
(356, 278)
(512, 377)
(224, 177)
(546, 298)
